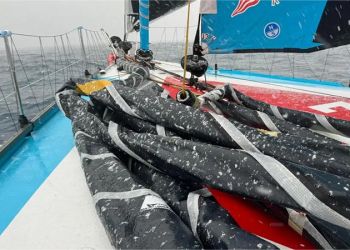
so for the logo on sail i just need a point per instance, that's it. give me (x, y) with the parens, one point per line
(243, 5)
(152, 202)
(207, 36)
(272, 30)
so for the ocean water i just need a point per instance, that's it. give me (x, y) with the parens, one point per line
(327, 65)
(38, 81)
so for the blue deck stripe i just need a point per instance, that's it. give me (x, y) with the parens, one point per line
(23, 173)
(273, 79)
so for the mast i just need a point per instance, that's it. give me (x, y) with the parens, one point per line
(144, 23)
(144, 53)
(125, 20)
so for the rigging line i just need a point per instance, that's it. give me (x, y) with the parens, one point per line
(55, 66)
(25, 72)
(209, 87)
(29, 35)
(70, 48)
(172, 44)
(45, 64)
(164, 82)
(98, 46)
(310, 68)
(8, 109)
(266, 64)
(171, 47)
(68, 56)
(325, 64)
(42, 78)
(14, 68)
(176, 45)
(58, 50)
(166, 44)
(250, 62)
(88, 48)
(186, 46)
(216, 59)
(94, 48)
(37, 81)
(64, 54)
(272, 63)
(291, 64)
(165, 41)
(161, 42)
(94, 52)
(89, 30)
(233, 59)
(91, 55)
(72, 55)
(103, 43)
(99, 39)
(169, 72)
(60, 57)
(102, 60)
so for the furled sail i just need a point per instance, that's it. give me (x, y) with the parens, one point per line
(159, 171)
(274, 25)
(158, 8)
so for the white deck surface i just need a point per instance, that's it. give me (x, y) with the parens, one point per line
(60, 215)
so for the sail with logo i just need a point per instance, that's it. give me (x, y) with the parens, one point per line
(273, 25)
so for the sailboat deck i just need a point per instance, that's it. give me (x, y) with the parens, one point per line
(45, 200)
(60, 215)
(48, 204)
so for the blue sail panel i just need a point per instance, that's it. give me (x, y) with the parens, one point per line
(259, 25)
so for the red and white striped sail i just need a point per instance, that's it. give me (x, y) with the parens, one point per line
(243, 5)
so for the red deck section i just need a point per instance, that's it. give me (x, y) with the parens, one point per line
(254, 219)
(283, 98)
(297, 101)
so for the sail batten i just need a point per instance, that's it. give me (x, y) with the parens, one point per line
(275, 25)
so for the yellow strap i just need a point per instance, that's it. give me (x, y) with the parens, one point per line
(93, 86)
(186, 46)
(270, 133)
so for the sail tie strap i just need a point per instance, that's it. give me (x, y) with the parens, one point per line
(123, 195)
(325, 123)
(285, 178)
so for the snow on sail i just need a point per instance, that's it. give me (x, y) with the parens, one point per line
(157, 168)
(287, 26)
(133, 139)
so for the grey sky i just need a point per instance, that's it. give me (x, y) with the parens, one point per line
(48, 17)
